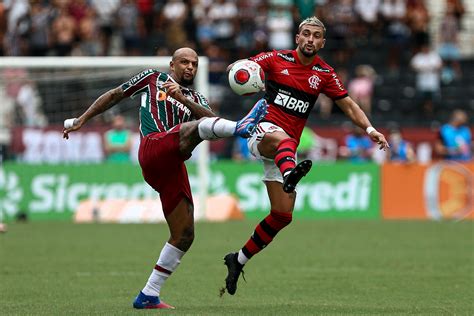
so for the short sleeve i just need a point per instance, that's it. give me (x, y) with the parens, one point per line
(334, 88)
(202, 100)
(137, 83)
(265, 60)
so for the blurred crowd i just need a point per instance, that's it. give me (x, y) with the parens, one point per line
(393, 36)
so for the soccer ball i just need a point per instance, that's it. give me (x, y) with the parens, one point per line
(246, 77)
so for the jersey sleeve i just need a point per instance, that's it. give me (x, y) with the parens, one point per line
(265, 60)
(202, 100)
(138, 83)
(333, 88)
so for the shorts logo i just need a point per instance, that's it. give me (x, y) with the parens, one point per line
(291, 103)
(314, 82)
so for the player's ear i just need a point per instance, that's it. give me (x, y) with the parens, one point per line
(172, 66)
(324, 42)
(296, 38)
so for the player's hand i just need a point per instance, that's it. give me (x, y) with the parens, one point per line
(71, 125)
(379, 139)
(174, 90)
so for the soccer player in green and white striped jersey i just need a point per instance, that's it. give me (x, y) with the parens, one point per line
(174, 119)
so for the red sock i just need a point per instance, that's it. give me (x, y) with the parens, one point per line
(285, 156)
(265, 231)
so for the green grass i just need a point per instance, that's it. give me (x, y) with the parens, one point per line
(314, 267)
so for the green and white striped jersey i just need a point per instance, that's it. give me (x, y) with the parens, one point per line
(159, 112)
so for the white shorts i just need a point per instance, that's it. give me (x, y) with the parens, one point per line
(271, 171)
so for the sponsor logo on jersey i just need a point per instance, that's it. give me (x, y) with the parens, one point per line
(285, 72)
(179, 105)
(314, 82)
(290, 103)
(139, 77)
(262, 57)
(338, 82)
(288, 57)
(319, 68)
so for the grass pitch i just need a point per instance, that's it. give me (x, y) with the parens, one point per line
(312, 268)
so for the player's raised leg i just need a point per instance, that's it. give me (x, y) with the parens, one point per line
(211, 128)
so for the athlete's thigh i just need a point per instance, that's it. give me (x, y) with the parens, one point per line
(279, 199)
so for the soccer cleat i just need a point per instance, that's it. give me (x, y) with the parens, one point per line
(246, 126)
(291, 180)
(143, 301)
(234, 268)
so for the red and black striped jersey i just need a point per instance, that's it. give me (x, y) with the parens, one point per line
(293, 88)
(159, 112)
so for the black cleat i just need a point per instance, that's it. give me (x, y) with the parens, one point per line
(234, 268)
(295, 175)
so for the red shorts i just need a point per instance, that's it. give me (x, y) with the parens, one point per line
(163, 167)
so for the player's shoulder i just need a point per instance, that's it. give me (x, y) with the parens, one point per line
(286, 55)
(321, 66)
(143, 74)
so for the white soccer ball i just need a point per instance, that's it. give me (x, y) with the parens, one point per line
(246, 77)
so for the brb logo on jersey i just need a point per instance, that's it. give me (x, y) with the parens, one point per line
(287, 101)
(314, 82)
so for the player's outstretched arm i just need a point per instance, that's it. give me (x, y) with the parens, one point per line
(355, 113)
(174, 90)
(101, 104)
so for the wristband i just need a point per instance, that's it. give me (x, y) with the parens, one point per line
(370, 129)
(69, 123)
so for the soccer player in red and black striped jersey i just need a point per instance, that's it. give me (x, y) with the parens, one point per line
(294, 79)
(174, 119)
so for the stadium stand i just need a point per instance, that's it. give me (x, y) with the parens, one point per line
(384, 37)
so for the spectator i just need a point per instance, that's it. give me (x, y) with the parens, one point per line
(223, 14)
(418, 21)
(7, 116)
(358, 146)
(455, 139)
(128, 20)
(340, 17)
(449, 48)
(63, 31)
(397, 32)
(280, 27)
(118, 141)
(459, 10)
(89, 43)
(25, 94)
(39, 35)
(106, 11)
(400, 149)
(361, 87)
(368, 13)
(427, 65)
(174, 15)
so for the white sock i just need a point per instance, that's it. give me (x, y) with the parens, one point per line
(216, 127)
(241, 258)
(169, 259)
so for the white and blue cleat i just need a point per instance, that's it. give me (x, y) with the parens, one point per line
(143, 301)
(246, 126)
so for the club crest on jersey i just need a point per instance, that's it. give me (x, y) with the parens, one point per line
(314, 82)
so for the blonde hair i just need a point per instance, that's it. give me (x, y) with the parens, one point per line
(312, 21)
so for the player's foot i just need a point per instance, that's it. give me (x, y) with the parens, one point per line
(143, 301)
(246, 126)
(291, 180)
(234, 268)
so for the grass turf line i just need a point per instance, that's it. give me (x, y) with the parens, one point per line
(313, 267)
